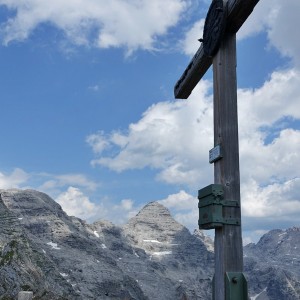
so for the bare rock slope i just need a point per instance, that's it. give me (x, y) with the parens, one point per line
(62, 257)
(151, 257)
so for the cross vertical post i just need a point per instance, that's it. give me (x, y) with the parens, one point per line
(219, 203)
(228, 238)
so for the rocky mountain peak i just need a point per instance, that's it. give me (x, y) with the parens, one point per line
(154, 222)
(154, 210)
(293, 229)
(208, 242)
(277, 241)
(30, 203)
(152, 257)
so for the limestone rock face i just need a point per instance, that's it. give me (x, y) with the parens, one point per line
(152, 257)
(182, 265)
(56, 256)
(273, 265)
(23, 264)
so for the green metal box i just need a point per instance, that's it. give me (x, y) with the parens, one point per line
(211, 206)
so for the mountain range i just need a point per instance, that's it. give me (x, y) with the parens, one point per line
(151, 257)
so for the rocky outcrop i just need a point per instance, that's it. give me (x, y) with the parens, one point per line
(182, 263)
(55, 256)
(151, 257)
(273, 265)
(24, 265)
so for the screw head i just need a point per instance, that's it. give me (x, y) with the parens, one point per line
(234, 280)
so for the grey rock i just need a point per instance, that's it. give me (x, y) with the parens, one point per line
(180, 262)
(56, 256)
(25, 295)
(273, 265)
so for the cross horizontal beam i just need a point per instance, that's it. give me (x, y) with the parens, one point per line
(238, 12)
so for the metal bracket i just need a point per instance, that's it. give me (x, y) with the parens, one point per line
(236, 286)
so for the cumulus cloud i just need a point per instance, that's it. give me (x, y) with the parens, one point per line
(275, 200)
(126, 204)
(75, 203)
(279, 19)
(123, 211)
(190, 44)
(263, 206)
(258, 21)
(73, 192)
(104, 24)
(174, 138)
(16, 179)
(98, 142)
(169, 137)
(54, 183)
(184, 208)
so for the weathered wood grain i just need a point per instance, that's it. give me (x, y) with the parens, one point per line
(238, 12)
(228, 239)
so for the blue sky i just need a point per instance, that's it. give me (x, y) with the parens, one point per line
(89, 117)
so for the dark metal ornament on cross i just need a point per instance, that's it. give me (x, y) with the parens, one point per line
(219, 203)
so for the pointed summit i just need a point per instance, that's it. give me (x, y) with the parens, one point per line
(155, 230)
(152, 220)
(154, 209)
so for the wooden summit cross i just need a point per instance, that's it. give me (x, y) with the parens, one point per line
(221, 201)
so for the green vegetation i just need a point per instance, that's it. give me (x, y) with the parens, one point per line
(8, 256)
(26, 287)
(6, 298)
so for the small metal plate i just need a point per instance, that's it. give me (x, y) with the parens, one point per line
(215, 154)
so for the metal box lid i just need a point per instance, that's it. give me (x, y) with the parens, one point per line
(213, 189)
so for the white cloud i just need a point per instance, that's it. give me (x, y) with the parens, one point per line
(16, 179)
(259, 19)
(94, 88)
(262, 207)
(279, 19)
(278, 97)
(75, 203)
(275, 200)
(190, 44)
(78, 179)
(126, 204)
(275, 161)
(164, 139)
(184, 208)
(122, 212)
(174, 138)
(98, 142)
(282, 27)
(53, 183)
(115, 23)
(180, 201)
